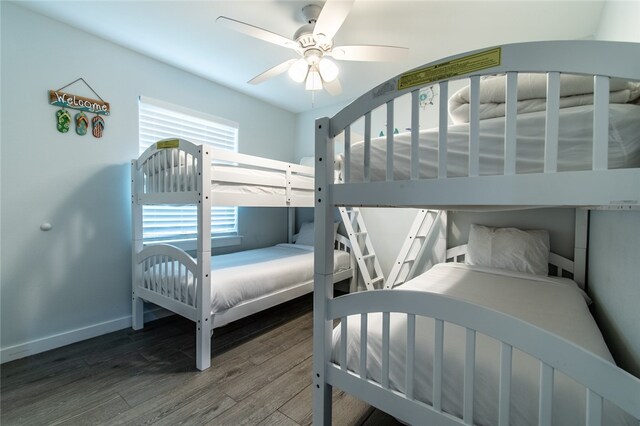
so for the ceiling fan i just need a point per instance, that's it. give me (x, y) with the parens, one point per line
(314, 43)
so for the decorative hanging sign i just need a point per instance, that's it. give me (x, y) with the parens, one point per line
(67, 100)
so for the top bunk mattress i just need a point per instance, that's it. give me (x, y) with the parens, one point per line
(575, 141)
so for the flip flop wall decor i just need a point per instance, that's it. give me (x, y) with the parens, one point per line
(82, 123)
(98, 126)
(63, 120)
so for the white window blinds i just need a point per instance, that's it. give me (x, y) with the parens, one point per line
(160, 120)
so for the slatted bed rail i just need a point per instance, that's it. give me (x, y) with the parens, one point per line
(602, 380)
(168, 276)
(170, 171)
(619, 188)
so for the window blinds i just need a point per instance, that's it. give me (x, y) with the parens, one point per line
(160, 120)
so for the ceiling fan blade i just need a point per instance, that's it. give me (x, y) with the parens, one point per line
(369, 53)
(333, 87)
(272, 72)
(256, 32)
(333, 14)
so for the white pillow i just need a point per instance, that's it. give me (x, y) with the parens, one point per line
(509, 248)
(306, 236)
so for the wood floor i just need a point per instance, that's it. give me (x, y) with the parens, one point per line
(260, 375)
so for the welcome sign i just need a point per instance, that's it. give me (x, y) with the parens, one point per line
(67, 100)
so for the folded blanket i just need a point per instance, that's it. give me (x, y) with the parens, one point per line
(575, 90)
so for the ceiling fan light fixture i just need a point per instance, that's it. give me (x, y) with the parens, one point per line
(328, 70)
(314, 82)
(298, 71)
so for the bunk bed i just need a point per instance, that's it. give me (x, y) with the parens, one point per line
(215, 290)
(418, 351)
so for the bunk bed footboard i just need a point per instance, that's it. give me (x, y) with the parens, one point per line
(606, 387)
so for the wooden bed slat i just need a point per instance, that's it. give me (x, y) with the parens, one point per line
(347, 155)
(390, 127)
(469, 375)
(600, 122)
(546, 394)
(510, 124)
(415, 134)
(437, 364)
(552, 123)
(504, 392)
(594, 409)
(411, 355)
(343, 343)
(443, 124)
(367, 147)
(474, 126)
(363, 346)
(385, 350)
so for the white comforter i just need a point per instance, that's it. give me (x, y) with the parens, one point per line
(575, 90)
(245, 275)
(554, 304)
(575, 141)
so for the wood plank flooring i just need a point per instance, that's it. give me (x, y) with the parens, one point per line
(260, 375)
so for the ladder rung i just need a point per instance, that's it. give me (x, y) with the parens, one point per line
(376, 279)
(359, 233)
(368, 256)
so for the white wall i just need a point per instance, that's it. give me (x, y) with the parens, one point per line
(74, 281)
(614, 256)
(619, 21)
(614, 282)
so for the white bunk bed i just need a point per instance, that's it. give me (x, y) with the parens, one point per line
(426, 174)
(215, 290)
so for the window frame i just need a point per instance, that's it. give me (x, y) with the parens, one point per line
(146, 104)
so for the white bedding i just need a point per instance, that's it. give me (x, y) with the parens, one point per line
(245, 275)
(555, 304)
(575, 90)
(574, 146)
(242, 276)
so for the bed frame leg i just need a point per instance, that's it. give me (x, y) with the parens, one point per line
(322, 404)
(137, 312)
(203, 345)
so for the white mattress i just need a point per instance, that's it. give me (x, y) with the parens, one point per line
(555, 304)
(574, 146)
(246, 275)
(277, 182)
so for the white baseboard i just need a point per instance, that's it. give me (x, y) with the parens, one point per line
(44, 344)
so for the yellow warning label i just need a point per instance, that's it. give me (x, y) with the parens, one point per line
(170, 143)
(477, 61)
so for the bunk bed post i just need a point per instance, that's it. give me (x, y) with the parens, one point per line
(323, 271)
(580, 247)
(291, 223)
(203, 295)
(137, 304)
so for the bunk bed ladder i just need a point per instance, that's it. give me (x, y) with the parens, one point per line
(405, 265)
(365, 255)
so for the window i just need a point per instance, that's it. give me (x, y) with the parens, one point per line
(160, 120)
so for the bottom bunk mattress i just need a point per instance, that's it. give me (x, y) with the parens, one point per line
(554, 304)
(243, 276)
(246, 275)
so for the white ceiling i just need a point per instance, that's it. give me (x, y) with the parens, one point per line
(184, 34)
